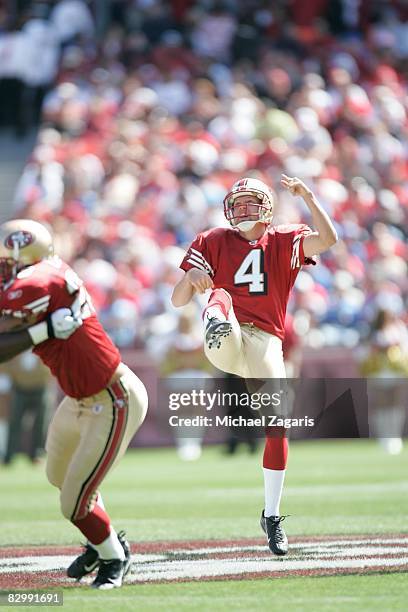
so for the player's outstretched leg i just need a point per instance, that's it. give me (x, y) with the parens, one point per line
(217, 324)
(215, 330)
(223, 339)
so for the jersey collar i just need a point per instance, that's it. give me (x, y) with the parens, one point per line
(252, 242)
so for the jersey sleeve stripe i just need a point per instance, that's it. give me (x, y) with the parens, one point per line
(195, 253)
(295, 261)
(195, 264)
(40, 308)
(40, 301)
(200, 262)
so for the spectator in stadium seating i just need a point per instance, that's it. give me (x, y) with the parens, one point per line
(385, 364)
(183, 360)
(70, 19)
(41, 62)
(29, 396)
(213, 32)
(14, 47)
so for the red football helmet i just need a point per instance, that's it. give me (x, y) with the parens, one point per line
(253, 187)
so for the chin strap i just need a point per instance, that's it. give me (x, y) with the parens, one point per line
(246, 226)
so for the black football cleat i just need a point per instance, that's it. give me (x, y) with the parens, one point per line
(86, 563)
(277, 540)
(216, 330)
(112, 571)
(126, 550)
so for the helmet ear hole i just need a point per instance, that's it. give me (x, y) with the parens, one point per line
(8, 270)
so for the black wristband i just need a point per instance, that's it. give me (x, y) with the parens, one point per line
(50, 329)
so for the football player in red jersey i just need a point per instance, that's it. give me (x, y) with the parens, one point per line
(251, 269)
(105, 402)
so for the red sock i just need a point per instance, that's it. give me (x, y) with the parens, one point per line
(222, 299)
(275, 455)
(95, 526)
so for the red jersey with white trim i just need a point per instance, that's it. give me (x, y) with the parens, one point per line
(258, 274)
(83, 364)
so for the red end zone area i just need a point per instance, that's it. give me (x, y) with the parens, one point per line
(44, 567)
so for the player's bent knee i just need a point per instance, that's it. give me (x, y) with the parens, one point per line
(52, 476)
(215, 359)
(222, 362)
(67, 507)
(66, 511)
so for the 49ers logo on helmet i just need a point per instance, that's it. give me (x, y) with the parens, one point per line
(22, 238)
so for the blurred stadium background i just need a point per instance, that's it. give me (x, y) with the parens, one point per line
(123, 123)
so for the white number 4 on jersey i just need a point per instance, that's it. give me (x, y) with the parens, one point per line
(251, 272)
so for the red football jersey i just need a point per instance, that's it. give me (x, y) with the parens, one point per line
(83, 364)
(258, 274)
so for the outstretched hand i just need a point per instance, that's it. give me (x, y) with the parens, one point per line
(295, 186)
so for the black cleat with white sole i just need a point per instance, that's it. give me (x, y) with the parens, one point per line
(86, 563)
(216, 330)
(277, 540)
(112, 571)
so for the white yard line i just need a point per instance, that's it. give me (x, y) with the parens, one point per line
(358, 554)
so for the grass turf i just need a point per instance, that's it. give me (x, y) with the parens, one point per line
(327, 594)
(331, 487)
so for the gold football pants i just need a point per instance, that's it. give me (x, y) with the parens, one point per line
(87, 437)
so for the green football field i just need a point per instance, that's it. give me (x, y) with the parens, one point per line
(332, 487)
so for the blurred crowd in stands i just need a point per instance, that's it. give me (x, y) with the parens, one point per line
(153, 109)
